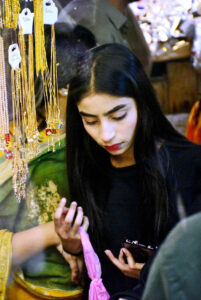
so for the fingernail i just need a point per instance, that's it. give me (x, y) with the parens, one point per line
(63, 201)
(107, 251)
(74, 203)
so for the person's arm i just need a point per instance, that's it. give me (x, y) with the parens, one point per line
(134, 35)
(137, 41)
(29, 242)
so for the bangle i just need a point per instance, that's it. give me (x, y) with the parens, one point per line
(73, 254)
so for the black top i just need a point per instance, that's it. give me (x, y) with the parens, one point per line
(121, 220)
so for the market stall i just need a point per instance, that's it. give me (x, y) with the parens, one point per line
(172, 30)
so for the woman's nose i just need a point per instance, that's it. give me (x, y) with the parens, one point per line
(107, 132)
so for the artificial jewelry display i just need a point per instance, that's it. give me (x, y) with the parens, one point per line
(23, 144)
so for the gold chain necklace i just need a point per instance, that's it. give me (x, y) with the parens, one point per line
(11, 10)
(54, 123)
(20, 162)
(28, 96)
(4, 119)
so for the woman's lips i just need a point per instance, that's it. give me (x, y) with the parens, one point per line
(112, 147)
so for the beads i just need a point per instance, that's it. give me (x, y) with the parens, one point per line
(4, 119)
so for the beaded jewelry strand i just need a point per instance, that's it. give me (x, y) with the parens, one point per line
(4, 119)
(11, 10)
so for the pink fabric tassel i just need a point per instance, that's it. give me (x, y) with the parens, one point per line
(97, 291)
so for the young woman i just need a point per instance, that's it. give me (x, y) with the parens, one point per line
(128, 168)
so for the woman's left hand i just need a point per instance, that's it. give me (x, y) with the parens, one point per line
(76, 264)
(127, 266)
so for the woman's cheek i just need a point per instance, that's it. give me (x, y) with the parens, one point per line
(91, 132)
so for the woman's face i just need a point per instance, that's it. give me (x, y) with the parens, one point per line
(111, 122)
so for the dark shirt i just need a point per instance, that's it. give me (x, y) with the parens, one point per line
(121, 220)
(186, 161)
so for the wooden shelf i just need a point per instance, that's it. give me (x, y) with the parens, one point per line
(178, 89)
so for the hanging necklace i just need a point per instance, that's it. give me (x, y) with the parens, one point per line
(4, 119)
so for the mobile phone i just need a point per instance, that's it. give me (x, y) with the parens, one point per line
(141, 253)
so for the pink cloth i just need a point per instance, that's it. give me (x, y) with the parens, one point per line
(97, 291)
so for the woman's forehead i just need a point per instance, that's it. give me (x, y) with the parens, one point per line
(102, 103)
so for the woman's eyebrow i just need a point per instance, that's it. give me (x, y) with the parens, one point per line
(84, 114)
(116, 108)
(113, 110)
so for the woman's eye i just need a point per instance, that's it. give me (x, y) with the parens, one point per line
(119, 117)
(90, 122)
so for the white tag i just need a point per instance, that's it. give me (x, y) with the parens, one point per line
(50, 12)
(26, 21)
(14, 56)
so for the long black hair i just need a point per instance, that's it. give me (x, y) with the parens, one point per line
(113, 69)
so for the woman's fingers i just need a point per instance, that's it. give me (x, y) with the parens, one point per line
(85, 224)
(59, 212)
(65, 210)
(74, 269)
(129, 268)
(78, 220)
(69, 220)
(129, 258)
(113, 259)
(72, 261)
(131, 262)
(121, 256)
(70, 215)
(80, 263)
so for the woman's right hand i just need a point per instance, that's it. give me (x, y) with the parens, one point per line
(67, 230)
